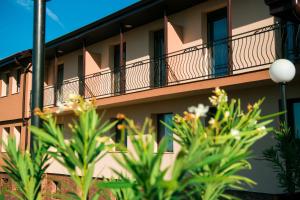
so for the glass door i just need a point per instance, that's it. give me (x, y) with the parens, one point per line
(59, 82)
(119, 71)
(217, 38)
(159, 60)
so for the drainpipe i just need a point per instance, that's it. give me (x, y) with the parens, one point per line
(166, 45)
(229, 31)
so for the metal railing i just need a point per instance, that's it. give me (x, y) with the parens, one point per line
(241, 53)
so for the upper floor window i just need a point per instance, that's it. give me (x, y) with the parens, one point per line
(4, 84)
(291, 41)
(16, 84)
(217, 37)
(163, 131)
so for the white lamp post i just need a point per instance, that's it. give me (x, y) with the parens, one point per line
(282, 71)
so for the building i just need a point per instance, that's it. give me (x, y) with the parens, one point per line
(156, 58)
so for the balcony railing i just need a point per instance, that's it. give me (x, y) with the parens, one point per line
(241, 53)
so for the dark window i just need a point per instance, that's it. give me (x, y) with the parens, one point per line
(217, 39)
(291, 41)
(294, 116)
(81, 75)
(18, 80)
(120, 135)
(60, 81)
(163, 131)
(119, 71)
(159, 61)
(210, 114)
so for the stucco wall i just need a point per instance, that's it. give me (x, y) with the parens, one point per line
(261, 172)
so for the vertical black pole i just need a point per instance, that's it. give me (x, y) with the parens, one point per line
(38, 62)
(283, 101)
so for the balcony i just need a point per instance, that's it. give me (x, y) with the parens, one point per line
(243, 53)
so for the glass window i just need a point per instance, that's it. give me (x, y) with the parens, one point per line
(5, 84)
(4, 138)
(163, 131)
(18, 80)
(120, 135)
(17, 135)
(294, 116)
(291, 50)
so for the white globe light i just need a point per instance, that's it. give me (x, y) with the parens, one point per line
(282, 71)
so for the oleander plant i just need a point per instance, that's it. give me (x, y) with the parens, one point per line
(214, 147)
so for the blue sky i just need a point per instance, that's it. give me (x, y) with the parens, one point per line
(63, 16)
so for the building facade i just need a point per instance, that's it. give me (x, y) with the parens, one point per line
(154, 59)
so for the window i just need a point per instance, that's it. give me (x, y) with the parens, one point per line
(59, 82)
(163, 131)
(294, 116)
(17, 135)
(120, 134)
(119, 71)
(217, 34)
(210, 114)
(5, 84)
(160, 70)
(291, 50)
(4, 137)
(16, 82)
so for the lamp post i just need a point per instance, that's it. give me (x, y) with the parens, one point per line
(282, 71)
(38, 62)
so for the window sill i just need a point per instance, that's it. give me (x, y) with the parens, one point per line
(15, 93)
(3, 96)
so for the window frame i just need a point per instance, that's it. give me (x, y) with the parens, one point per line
(160, 136)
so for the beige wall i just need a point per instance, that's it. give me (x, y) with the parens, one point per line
(11, 105)
(186, 29)
(261, 172)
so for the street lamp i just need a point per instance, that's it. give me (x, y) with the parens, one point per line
(282, 71)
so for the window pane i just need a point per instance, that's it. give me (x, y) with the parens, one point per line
(163, 131)
(5, 135)
(296, 111)
(17, 135)
(120, 134)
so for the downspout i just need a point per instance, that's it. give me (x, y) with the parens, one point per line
(24, 119)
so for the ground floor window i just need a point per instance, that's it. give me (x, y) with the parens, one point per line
(120, 134)
(163, 131)
(294, 116)
(4, 138)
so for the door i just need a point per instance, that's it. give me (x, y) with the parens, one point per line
(119, 71)
(59, 82)
(159, 60)
(217, 38)
(81, 75)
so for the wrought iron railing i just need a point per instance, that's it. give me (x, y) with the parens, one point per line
(241, 53)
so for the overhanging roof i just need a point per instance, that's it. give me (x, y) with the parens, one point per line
(136, 15)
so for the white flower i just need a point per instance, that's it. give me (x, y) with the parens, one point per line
(226, 114)
(235, 133)
(199, 111)
(60, 107)
(73, 96)
(261, 129)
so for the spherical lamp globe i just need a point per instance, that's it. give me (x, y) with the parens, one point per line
(282, 71)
